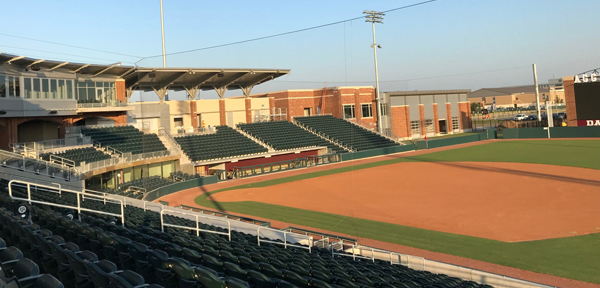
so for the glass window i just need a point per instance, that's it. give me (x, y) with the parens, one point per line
(178, 122)
(367, 110)
(17, 86)
(82, 95)
(2, 86)
(61, 89)
(45, 89)
(37, 88)
(415, 127)
(11, 86)
(384, 109)
(53, 89)
(69, 89)
(348, 111)
(99, 84)
(91, 94)
(27, 87)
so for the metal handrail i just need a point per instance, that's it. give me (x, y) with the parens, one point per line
(80, 195)
(15, 156)
(62, 161)
(285, 244)
(197, 228)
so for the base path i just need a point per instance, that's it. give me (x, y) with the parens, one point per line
(501, 201)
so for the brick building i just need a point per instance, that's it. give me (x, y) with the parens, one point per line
(356, 103)
(414, 114)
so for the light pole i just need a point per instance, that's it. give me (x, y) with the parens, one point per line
(162, 29)
(376, 17)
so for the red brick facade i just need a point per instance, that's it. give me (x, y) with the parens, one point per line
(569, 86)
(328, 101)
(400, 121)
(436, 119)
(120, 90)
(248, 103)
(464, 112)
(222, 118)
(422, 118)
(449, 117)
(194, 114)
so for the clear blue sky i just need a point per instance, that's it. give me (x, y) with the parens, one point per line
(486, 43)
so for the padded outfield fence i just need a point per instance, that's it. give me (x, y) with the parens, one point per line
(553, 132)
(442, 142)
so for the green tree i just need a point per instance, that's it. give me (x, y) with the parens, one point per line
(475, 107)
(558, 100)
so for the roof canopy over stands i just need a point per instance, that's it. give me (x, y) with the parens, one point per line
(159, 80)
(193, 80)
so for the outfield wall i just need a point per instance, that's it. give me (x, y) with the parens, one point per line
(442, 142)
(555, 132)
(377, 152)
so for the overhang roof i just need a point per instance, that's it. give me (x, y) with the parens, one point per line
(50, 65)
(504, 91)
(150, 79)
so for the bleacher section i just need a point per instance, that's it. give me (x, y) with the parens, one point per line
(283, 135)
(226, 142)
(125, 139)
(345, 132)
(87, 155)
(100, 251)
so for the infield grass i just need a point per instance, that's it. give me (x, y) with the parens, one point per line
(572, 257)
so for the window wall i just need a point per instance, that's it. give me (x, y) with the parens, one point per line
(47, 88)
(96, 92)
(86, 91)
(10, 86)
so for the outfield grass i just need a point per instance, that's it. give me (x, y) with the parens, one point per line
(572, 257)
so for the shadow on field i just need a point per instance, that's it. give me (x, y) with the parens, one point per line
(511, 171)
(209, 197)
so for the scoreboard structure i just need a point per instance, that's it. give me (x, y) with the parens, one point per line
(582, 97)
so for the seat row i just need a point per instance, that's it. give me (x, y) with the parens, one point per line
(283, 135)
(226, 142)
(88, 155)
(345, 132)
(125, 139)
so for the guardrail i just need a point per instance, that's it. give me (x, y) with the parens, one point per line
(77, 129)
(62, 161)
(7, 157)
(299, 238)
(324, 136)
(61, 191)
(420, 263)
(163, 132)
(197, 228)
(225, 215)
(99, 105)
(51, 144)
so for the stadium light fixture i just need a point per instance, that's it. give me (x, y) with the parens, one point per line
(376, 17)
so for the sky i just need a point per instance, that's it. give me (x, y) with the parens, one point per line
(445, 44)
